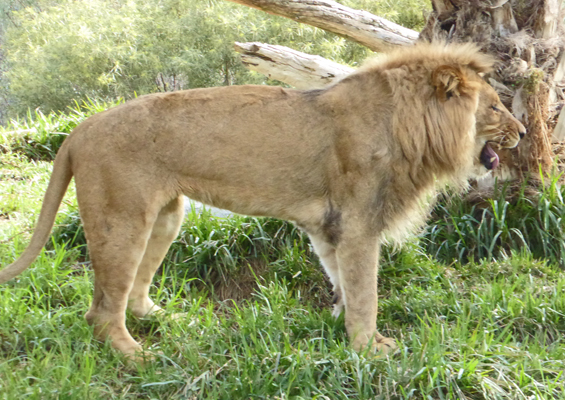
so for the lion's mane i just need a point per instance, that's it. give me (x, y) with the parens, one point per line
(423, 158)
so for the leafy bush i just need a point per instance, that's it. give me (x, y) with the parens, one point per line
(115, 49)
(71, 50)
(6, 19)
(39, 136)
(533, 224)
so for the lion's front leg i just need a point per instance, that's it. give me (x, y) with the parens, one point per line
(358, 268)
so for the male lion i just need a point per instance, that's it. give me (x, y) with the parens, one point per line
(349, 164)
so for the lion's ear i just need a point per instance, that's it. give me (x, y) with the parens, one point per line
(449, 81)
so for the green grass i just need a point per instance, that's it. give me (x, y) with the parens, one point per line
(529, 219)
(490, 325)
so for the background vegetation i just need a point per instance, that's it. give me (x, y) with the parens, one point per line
(57, 52)
(476, 301)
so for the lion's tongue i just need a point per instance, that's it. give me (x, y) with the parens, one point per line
(489, 158)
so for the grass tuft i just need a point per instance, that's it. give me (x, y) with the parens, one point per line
(492, 229)
(228, 256)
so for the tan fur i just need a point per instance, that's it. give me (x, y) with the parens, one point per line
(348, 163)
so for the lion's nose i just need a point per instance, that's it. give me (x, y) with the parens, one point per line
(522, 134)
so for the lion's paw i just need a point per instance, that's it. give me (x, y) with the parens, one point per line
(338, 305)
(379, 346)
(384, 346)
(178, 316)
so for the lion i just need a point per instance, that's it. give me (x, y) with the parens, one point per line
(349, 164)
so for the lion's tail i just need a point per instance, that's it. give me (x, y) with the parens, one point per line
(58, 184)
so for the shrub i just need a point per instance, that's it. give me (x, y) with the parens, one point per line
(69, 50)
(38, 136)
(531, 223)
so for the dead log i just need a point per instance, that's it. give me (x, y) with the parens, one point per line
(362, 27)
(297, 69)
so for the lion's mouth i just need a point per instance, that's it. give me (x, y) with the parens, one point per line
(489, 158)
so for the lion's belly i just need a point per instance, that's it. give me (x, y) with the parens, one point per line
(269, 192)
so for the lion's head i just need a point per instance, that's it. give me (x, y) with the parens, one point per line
(446, 122)
(496, 129)
(464, 119)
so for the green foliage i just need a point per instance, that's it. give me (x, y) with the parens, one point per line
(70, 50)
(7, 7)
(39, 136)
(493, 229)
(408, 13)
(481, 331)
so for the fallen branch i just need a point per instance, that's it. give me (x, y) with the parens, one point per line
(362, 27)
(301, 70)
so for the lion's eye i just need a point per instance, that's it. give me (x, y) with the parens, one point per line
(495, 108)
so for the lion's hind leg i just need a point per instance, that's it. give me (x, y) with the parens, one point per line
(165, 230)
(117, 236)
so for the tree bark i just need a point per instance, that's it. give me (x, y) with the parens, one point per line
(374, 32)
(301, 70)
(548, 22)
